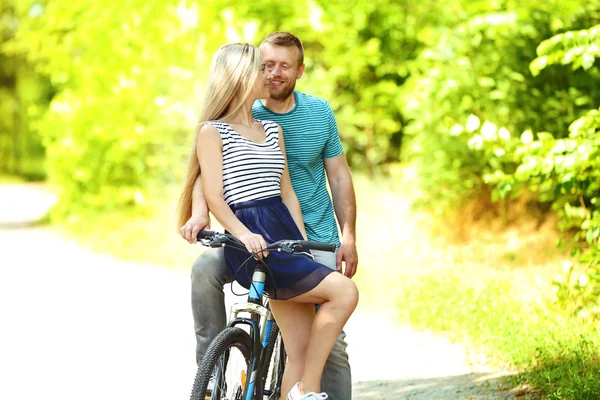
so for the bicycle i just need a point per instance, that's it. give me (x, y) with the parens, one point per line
(242, 365)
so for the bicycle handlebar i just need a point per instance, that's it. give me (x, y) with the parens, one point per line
(310, 245)
(206, 235)
(294, 245)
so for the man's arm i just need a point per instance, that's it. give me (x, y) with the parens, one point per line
(200, 219)
(344, 203)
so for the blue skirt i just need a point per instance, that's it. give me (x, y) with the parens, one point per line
(293, 274)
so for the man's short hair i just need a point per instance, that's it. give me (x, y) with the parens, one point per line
(286, 39)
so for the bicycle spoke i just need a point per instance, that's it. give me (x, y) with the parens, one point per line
(230, 376)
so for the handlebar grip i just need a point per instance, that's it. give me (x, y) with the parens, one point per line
(205, 235)
(309, 244)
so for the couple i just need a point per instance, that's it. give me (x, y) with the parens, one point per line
(257, 203)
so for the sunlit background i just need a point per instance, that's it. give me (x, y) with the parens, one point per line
(471, 128)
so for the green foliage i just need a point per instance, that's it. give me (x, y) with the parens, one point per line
(355, 59)
(578, 48)
(361, 68)
(23, 96)
(479, 119)
(480, 69)
(566, 173)
(473, 73)
(124, 73)
(127, 79)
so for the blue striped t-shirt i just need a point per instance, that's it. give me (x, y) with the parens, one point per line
(310, 134)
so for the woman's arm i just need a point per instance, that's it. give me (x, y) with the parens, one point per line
(287, 191)
(210, 155)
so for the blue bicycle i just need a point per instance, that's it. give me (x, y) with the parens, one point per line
(247, 364)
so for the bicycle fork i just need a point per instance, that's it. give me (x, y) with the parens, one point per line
(260, 323)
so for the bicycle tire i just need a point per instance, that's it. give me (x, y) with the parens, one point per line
(211, 365)
(274, 362)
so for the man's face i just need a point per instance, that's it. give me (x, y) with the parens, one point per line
(281, 66)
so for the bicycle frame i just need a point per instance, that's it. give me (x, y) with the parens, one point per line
(260, 323)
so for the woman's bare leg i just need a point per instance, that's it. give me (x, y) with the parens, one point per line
(338, 297)
(295, 321)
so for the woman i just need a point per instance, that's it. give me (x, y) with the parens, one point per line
(248, 189)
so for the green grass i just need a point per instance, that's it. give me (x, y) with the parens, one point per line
(556, 353)
(11, 179)
(492, 289)
(147, 236)
(479, 283)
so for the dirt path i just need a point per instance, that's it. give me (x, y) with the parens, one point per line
(395, 362)
(77, 325)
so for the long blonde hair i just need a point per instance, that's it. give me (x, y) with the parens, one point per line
(233, 73)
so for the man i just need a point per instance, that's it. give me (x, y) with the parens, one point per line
(314, 152)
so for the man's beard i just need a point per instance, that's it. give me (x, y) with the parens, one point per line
(287, 91)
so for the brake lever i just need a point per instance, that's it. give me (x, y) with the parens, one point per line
(292, 247)
(285, 250)
(307, 254)
(212, 242)
(218, 242)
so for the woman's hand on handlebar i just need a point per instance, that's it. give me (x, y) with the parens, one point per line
(254, 243)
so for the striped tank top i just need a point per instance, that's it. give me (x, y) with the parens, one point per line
(251, 171)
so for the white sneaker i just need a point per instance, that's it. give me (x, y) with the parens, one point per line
(294, 394)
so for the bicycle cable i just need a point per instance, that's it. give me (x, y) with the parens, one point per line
(245, 265)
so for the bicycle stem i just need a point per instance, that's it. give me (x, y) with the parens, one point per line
(257, 286)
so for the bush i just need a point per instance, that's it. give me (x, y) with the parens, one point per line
(124, 109)
(493, 105)
(566, 172)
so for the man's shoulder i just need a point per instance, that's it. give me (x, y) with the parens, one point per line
(310, 100)
(257, 106)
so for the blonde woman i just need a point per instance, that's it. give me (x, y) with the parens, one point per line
(247, 187)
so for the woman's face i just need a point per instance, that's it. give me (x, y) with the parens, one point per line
(261, 88)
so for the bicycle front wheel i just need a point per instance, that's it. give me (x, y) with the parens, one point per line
(223, 372)
(274, 365)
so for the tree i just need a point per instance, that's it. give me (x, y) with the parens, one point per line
(125, 76)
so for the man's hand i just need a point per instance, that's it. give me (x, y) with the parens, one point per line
(347, 254)
(195, 224)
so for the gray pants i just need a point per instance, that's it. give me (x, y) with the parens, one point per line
(209, 274)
